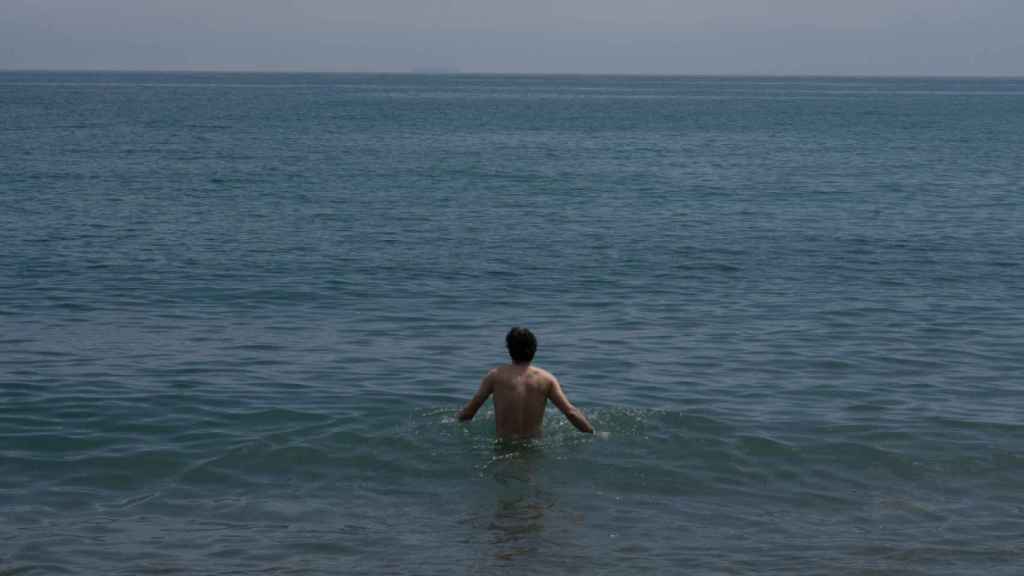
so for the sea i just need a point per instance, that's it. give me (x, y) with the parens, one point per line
(239, 313)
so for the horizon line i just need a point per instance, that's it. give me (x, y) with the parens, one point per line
(455, 72)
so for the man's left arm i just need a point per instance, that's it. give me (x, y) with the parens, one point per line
(485, 390)
(572, 413)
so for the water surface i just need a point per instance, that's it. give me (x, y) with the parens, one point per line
(240, 311)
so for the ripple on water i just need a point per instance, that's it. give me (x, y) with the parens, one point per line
(796, 328)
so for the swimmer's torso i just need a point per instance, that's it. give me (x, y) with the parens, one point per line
(520, 396)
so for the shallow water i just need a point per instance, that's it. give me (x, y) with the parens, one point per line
(240, 311)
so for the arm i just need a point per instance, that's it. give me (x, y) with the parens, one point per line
(486, 387)
(571, 412)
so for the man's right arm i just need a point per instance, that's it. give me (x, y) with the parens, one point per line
(572, 413)
(485, 390)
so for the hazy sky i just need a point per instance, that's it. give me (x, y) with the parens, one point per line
(968, 37)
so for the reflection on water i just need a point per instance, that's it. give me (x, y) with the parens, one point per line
(521, 521)
(517, 529)
(523, 517)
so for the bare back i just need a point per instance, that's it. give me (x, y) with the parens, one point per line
(521, 393)
(520, 397)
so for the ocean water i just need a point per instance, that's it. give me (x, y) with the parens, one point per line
(239, 313)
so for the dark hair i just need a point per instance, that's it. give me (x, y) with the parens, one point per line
(522, 345)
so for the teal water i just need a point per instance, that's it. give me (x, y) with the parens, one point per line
(239, 313)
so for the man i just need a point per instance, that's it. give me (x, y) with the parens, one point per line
(521, 392)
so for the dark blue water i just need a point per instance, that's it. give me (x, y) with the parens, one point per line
(239, 313)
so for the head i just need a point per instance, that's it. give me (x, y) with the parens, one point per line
(522, 345)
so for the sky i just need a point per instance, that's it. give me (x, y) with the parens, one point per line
(773, 37)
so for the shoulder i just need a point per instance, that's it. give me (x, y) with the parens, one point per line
(544, 375)
(542, 372)
(496, 373)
